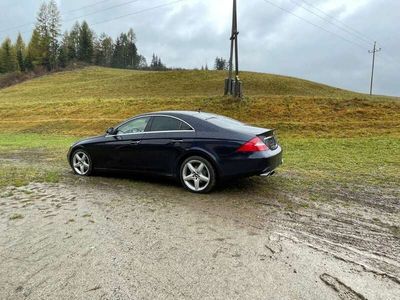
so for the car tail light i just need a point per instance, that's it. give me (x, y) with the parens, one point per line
(254, 145)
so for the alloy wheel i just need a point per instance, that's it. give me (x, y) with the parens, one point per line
(196, 175)
(81, 163)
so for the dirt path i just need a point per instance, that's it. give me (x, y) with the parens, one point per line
(104, 238)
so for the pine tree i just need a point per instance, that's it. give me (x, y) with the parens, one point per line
(142, 63)
(48, 26)
(117, 58)
(98, 51)
(34, 53)
(54, 25)
(42, 22)
(20, 49)
(9, 57)
(125, 54)
(73, 42)
(63, 51)
(133, 58)
(103, 50)
(221, 63)
(107, 47)
(156, 64)
(85, 49)
(1, 61)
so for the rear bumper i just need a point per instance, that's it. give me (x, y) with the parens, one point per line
(271, 163)
(259, 163)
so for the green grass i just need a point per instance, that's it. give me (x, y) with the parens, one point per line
(103, 83)
(20, 175)
(368, 160)
(32, 157)
(334, 140)
(12, 142)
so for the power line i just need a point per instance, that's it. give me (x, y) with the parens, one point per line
(75, 18)
(385, 57)
(337, 20)
(101, 10)
(85, 7)
(331, 22)
(68, 12)
(129, 14)
(315, 25)
(138, 12)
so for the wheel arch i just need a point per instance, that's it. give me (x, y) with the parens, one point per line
(201, 153)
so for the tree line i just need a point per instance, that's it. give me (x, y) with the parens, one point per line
(50, 49)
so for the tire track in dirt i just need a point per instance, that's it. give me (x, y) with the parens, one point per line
(344, 292)
(108, 239)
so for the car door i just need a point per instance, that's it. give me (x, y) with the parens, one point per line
(165, 139)
(124, 146)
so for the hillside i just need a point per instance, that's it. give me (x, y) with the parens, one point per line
(86, 101)
(107, 83)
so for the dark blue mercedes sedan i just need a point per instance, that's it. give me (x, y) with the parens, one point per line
(200, 149)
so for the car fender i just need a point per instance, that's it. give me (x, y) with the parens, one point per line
(195, 151)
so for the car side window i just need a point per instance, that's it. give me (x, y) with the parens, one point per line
(185, 126)
(134, 126)
(168, 124)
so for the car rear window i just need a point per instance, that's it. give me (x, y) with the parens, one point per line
(224, 122)
(168, 124)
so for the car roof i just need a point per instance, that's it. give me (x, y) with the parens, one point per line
(209, 120)
(220, 121)
(176, 113)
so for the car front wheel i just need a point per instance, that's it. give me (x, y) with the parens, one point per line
(197, 175)
(81, 163)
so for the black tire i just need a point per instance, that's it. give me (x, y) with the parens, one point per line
(207, 171)
(88, 160)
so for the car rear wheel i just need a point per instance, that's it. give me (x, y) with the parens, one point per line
(197, 175)
(81, 163)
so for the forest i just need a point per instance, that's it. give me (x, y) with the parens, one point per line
(49, 49)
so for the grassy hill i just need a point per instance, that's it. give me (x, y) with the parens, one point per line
(86, 101)
(332, 137)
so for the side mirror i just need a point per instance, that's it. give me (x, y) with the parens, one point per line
(110, 131)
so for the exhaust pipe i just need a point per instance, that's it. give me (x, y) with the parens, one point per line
(268, 174)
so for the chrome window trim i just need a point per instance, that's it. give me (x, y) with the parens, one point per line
(146, 132)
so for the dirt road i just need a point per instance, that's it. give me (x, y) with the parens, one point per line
(107, 238)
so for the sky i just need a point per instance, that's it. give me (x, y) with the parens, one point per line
(287, 37)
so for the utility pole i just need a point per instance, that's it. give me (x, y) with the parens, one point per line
(233, 86)
(373, 66)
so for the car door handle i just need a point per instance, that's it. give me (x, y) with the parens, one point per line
(135, 143)
(176, 141)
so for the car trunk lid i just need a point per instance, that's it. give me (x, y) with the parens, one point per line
(269, 139)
